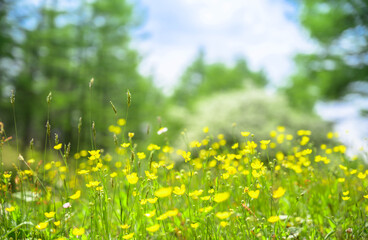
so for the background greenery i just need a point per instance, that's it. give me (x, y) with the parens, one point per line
(47, 49)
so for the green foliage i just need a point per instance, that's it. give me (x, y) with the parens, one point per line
(60, 54)
(340, 28)
(202, 79)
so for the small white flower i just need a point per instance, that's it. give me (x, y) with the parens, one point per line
(67, 205)
(162, 130)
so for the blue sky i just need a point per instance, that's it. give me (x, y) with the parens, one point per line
(265, 32)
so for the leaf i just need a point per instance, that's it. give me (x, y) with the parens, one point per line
(329, 234)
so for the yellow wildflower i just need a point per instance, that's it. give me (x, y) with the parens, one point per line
(10, 209)
(78, 231)
(7, 175)
(279, 192)
(253, 194)
(49, 214)
(150, 176)
(125, 226)
(163, 192)
(128, 236)
(273, 219)
(153, 228)
(223, 224)
(150, 214)
(92, 184)
(257, 164)
(125, 145)
(42, 225)
(121, 122)
(223, 215)
(194, 225)
(76, 195)
(179, 190)
(245, 134)
(132, 178)
(141, 155)
(220, 197)
(58, 146)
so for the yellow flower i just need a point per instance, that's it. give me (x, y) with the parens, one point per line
(128, 236)
(345, 193)
(42, 225)
(205, 129)
(153, 228)
(132, 178)
(361, 175)
(340, 180)
(366, 196)
(125, 145)
(179, 190)
(279, 192)
(206, 209)
(194, 225)
(121, 122)
(245, 134)
(273, 219)
(7, 175)
(223, 224)
(253, 194)
(57, 223)
(168, 167)
(152, 147)
(130, 135)
(141, 155)
(220, 197)
(172, 213)
(223, 215)
(76, 195)
(58, 146)
(81, 172)
(205, 198)
(114, 174)
(10, 209)
(345, 198)
(235, 146)
(257, 164)
(265, 142)
(93, 184)
(162, 217)
(125, 226)
(304, 140)
(49, 214)
(163, 192)
(78, 231)
(342, 167)
(150, 214)
(150, 176)
(195, 194)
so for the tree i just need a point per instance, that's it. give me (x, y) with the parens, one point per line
(61, 52)
(201, 79)
(340, 28)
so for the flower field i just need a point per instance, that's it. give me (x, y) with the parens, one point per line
(214, 188)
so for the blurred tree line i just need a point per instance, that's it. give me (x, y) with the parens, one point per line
(51, 47)
(58, 48)
(46, 48)
(340, 64)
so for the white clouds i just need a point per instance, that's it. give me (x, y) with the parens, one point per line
(261, 30)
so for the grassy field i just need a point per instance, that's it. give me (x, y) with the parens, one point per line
(209, 190)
